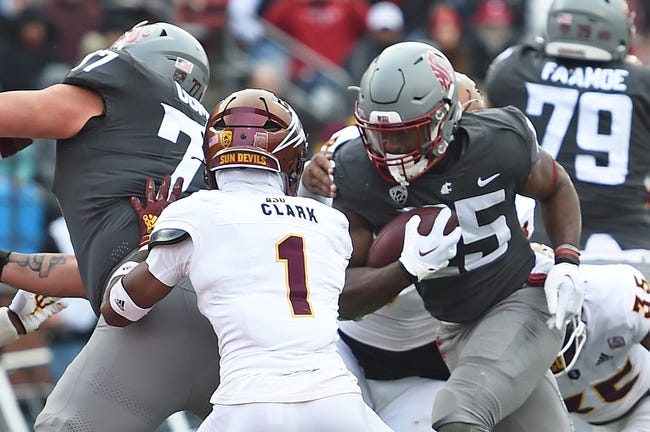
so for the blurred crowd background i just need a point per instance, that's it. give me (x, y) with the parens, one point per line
(308, 51)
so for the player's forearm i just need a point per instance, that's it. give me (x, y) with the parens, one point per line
(15, 135)
(50, 274)
(56, 112)
(367, 290)
(15, 114)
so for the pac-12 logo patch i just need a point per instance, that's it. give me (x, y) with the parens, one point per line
(399, 194)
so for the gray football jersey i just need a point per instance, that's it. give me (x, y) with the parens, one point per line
(594, 118)
(150, 128)
(494, 257)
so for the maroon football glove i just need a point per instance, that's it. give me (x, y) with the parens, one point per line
(154, 205)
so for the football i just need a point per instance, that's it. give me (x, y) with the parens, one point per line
(387, 246)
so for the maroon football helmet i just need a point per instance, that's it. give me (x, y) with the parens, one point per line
(254, 128)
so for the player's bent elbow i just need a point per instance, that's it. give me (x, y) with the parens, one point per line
(112, 318)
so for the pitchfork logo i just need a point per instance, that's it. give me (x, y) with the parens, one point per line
(441, 70)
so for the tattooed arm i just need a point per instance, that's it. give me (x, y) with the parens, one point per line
(49, 274)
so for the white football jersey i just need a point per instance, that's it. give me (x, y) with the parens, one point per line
(613, 370)
(268, 270)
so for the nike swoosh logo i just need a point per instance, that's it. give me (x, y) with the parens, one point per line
(427, 252)
(482, 182)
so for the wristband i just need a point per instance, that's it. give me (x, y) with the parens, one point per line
(566, 259)
(4, 259)
(568, 246)
(122, 303)
(567, 253)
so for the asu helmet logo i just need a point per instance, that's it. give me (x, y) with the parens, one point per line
(225, 138)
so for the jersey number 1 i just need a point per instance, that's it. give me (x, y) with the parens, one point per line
(291, 251)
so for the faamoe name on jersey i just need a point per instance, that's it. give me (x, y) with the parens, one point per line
(295, 211)
(585, 77)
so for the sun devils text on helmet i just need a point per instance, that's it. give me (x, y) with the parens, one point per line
(253, 128)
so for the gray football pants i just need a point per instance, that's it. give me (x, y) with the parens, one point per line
(500, 378)
(132, 378)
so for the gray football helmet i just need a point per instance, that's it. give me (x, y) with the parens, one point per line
(407, 110)
(598, 30)
(170, 51)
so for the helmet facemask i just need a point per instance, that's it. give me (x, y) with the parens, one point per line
(384, 130)
(574, 341)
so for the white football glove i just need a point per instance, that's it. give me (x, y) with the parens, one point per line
(423, 255)
(564, 294)
(33, 309)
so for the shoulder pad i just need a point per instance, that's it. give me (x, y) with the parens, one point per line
(167, 236)
(340, 137)
(536, 43)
